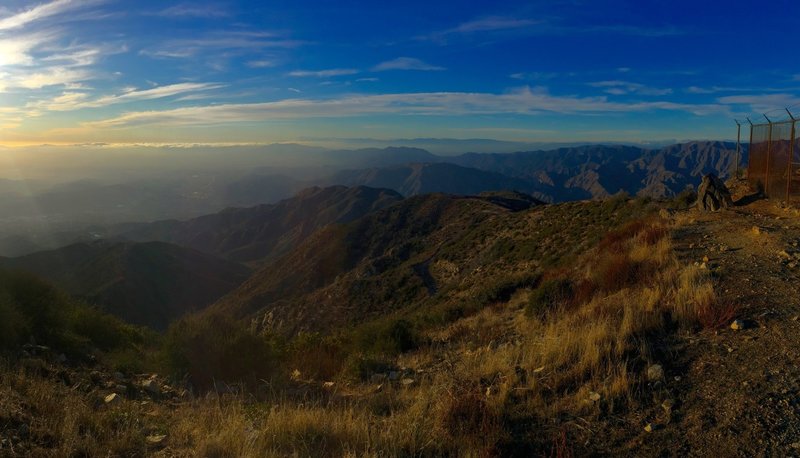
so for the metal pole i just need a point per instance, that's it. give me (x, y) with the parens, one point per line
(791, 158)
(789, 165)
(738, 140)
(750, 154)
(769, 152)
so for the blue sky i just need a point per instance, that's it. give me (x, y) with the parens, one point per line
(120, 71)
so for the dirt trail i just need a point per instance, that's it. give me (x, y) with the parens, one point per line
(737, 393)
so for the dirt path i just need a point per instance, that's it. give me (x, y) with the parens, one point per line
(737, 393)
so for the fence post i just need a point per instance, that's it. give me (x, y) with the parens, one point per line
(738, 141)
(769, 153)
(789, 165)
(750, 154)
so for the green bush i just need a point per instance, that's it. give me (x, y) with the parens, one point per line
(29, 307)
(358, 367)
(548, 296)
(502, 290)
(12, 323)
(684, 200)
(386, 337)
(215, 347)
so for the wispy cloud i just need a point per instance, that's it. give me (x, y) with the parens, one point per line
(33, 55)
(616, 87)
(323, 73)
(192, 10)
(69, 101)
(43, 11)
(232, 43)
(492, 23)
(261, 63)
(531, 76)
(524, 101)
(515, 26)
(488, 24)
(406, 63)
(762, 103)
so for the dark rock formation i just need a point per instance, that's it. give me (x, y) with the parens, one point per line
(713, 194)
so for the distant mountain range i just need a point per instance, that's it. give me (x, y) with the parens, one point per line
(422, 178)
(599, 171)
(36, 217)
(264, 232)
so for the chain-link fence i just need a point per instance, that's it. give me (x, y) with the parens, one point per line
(774, 159)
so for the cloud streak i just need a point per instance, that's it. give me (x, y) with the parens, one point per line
(323, 73)
(406, 63)
(43, 11)
(70, 101)
(616, 87)
(190, 10)
(525, 101)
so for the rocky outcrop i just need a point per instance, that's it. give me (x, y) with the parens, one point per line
(713, 194)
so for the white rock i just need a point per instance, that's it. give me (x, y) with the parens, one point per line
(112, 399)
(155, 439)
(655, 372)
(151, 386)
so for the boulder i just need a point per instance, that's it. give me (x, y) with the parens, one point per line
(712, 194)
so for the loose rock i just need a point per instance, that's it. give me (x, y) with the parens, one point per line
(155, 439)
(151, 386)
(737, 325)
(667, 405)
(655, 372)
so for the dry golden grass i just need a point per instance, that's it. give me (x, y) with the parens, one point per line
(480, 373)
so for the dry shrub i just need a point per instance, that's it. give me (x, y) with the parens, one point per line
(716, 315)
(614, 241)
(694, 292)
(618, 271)
(469, 419)
(583, 292)
(652, 234)
(561, 447)
(614, 272)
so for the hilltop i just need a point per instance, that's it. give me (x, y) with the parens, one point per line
(264, 231)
